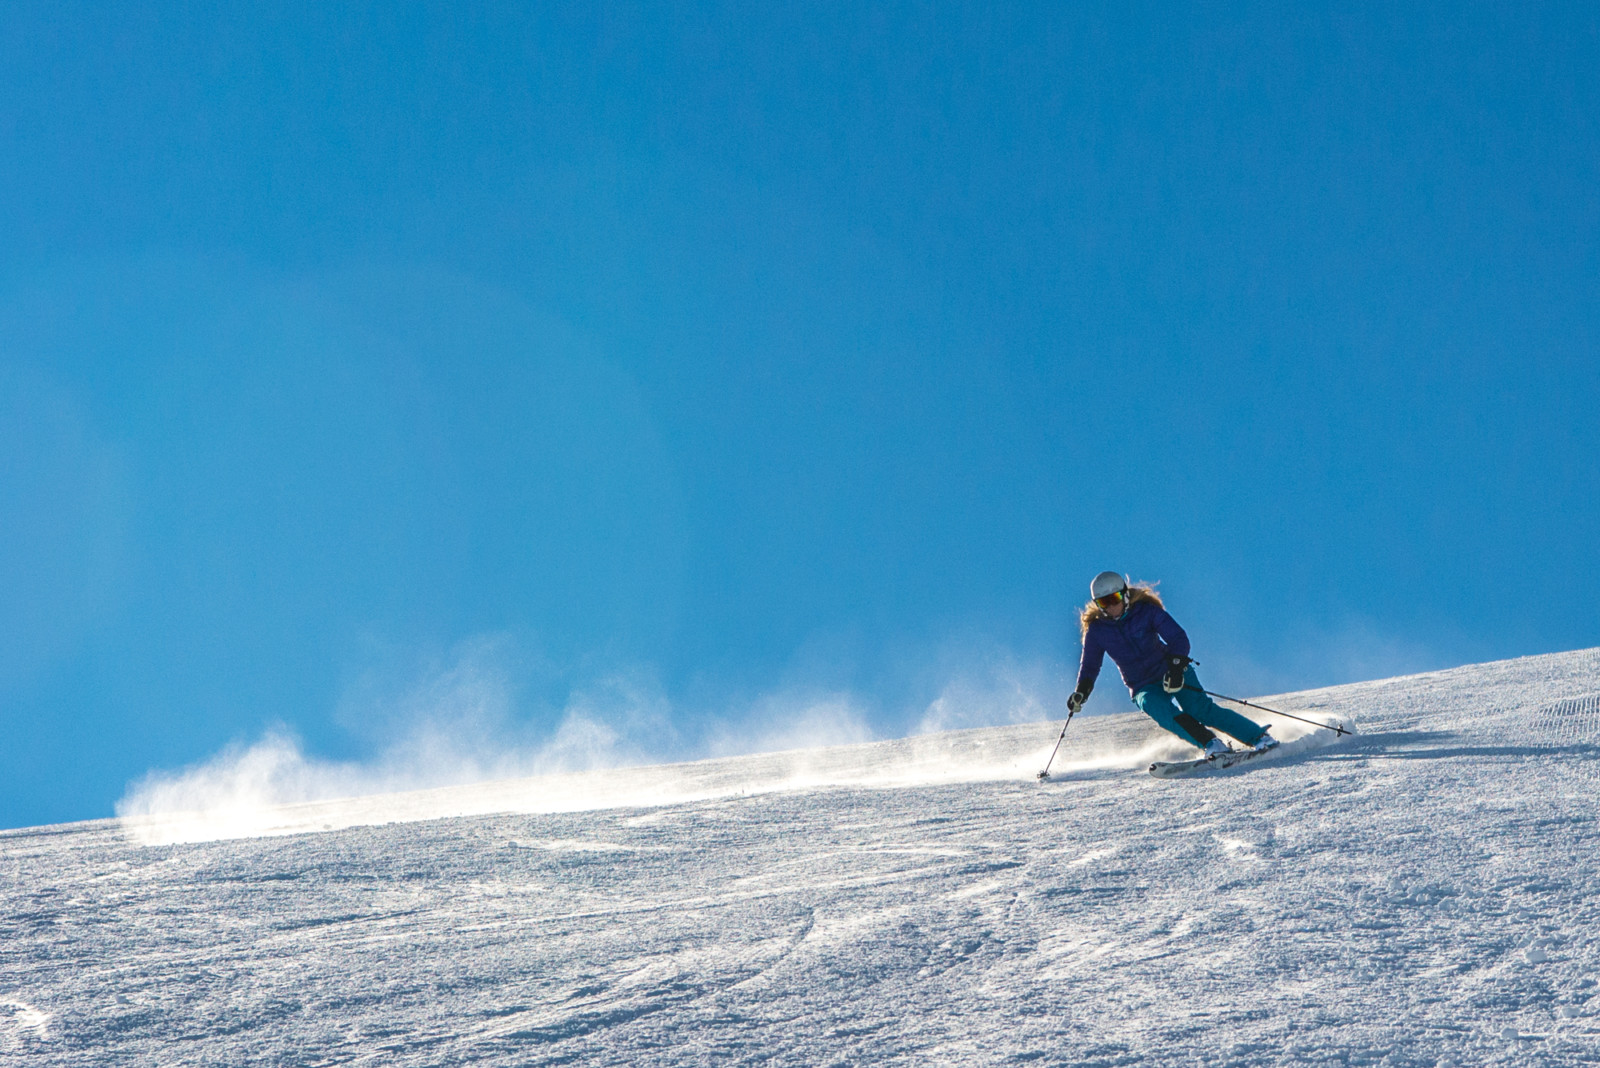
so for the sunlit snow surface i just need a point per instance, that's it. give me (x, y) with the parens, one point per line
(1423, 893)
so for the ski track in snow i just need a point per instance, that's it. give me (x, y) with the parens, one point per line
(1424, 893)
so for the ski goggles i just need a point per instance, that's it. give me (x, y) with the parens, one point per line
(1119, 597)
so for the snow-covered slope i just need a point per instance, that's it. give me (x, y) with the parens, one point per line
(1423, 893)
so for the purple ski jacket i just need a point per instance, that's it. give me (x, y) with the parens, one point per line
(1139, 642)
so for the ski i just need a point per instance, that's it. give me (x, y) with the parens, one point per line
(1169, 769)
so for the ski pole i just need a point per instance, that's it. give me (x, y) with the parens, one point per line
(1264, 708)
(1045, 774)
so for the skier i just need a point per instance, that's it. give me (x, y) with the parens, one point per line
(1152, 652)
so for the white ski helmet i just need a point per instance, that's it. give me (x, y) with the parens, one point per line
(1105, 583)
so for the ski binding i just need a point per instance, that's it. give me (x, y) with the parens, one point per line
(1168, 769)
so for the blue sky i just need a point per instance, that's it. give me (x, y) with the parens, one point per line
(743, 352)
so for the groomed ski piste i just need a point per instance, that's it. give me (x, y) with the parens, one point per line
(1422, 893)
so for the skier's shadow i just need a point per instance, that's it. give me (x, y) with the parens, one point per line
(1432, 745)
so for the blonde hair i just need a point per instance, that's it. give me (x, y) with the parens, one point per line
(1138, 591)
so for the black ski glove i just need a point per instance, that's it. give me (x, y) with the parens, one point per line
(1076, 701)
(1172, 681)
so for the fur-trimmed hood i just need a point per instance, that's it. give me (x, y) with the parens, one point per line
(1136, 593)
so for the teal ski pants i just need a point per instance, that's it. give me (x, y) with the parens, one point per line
(1170, 709)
